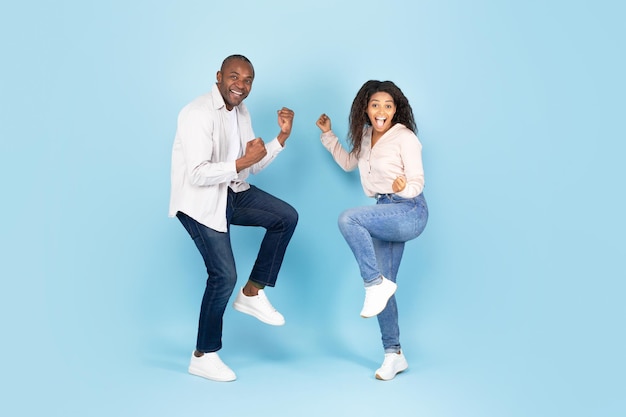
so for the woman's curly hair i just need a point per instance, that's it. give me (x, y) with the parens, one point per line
(358, 113)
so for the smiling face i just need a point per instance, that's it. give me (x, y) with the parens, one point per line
(380, 110)
(234, 81)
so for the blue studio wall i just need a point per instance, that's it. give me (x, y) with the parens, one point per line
(510, 302)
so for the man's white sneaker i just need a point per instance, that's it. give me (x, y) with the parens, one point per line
(393, 364)
(210, 366)
(376, 297)
(258, 306)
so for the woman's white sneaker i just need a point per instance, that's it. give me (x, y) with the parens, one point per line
(393, 364)
(210, 366)
(376, 297)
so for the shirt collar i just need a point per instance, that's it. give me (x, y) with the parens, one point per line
(218, 100)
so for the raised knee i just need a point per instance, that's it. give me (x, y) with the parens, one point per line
(294, 217)
(290, 218)
(344, 220)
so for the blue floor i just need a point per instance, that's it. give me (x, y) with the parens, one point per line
(308, 367)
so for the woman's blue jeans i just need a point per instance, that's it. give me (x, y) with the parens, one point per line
(377, 234)
(253, 207)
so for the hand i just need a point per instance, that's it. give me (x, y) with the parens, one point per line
(285, 121)
(255, 151)
(398, 185)
(323, 123)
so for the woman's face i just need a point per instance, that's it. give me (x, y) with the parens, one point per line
(380, 110)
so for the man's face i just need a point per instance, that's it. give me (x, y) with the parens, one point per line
(235, 82)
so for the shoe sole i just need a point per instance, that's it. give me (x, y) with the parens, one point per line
(194, 371)
(380, 378)
(250, 312)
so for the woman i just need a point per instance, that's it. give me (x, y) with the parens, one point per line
(388, 153)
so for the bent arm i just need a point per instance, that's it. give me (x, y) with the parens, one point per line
(346, 160)
(413, 168)
(273, 149)
(197, 137)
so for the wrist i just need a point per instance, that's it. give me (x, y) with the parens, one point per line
(282, 138)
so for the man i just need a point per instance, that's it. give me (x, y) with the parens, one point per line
(214, 152)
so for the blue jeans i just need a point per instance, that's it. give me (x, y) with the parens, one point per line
(252, 207)
(377, 234)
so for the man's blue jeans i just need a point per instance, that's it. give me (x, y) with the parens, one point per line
(377, 234)
(253, 207)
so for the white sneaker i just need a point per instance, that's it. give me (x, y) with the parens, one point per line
(258, 306)
(210, 366)
(376, 297)
(393, 364)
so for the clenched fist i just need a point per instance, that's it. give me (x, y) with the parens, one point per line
(399, 184)
(323, 123)
(285, 122)
(255, 150)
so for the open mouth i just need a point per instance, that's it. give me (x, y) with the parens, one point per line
(380, 122)
(237, 93)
